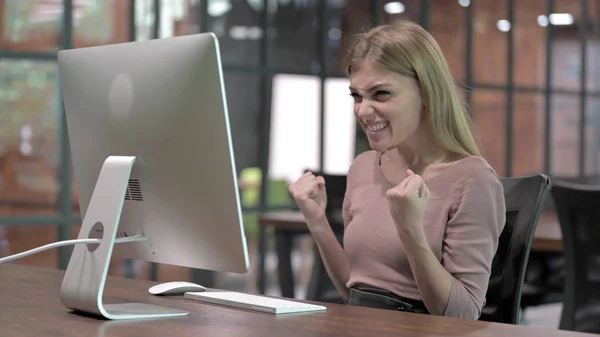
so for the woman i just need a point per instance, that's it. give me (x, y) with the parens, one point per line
(423, 211)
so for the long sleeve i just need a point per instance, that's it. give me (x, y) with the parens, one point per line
(346, 215)
(471, 240)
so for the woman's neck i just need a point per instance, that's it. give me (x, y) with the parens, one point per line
(420, 151)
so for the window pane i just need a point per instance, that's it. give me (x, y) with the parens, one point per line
(178, 17)
(593, 61)
(294, 140)
(353, 17)
(28, 110)
(100, 22)
(144, 19)
(592, 153)
(294, 43)
(529, 44)
(340, 127)
(335, 37)
(296, 116)
(243, 101)
(31, 25)
(566, 126)
(489, 42)
(528, 134)
(489, 119)
(238, 26)
(566, 61)
(593, 85)
(565, 135)
(295, 124)
(448, 27)
(566, 49)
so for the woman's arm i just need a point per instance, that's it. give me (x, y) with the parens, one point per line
(333, 256)
(457, 286)
(434, 282)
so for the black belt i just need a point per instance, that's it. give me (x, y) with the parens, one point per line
(383, 299)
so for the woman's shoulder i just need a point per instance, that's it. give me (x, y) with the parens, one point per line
(477, 178)
(472, 174)
(366, 156)
(366, 160)
(473, 168)
(363, 168)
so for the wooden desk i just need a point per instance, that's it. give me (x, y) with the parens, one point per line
(548, 235)
(30, 306)
(547, 238)
(291, 221)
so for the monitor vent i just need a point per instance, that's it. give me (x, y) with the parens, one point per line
(134, 191)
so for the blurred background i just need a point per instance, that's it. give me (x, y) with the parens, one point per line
(529, 70)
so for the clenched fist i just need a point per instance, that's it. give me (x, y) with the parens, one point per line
(407, 202)
(309, 193)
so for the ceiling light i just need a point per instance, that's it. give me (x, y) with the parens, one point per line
(245, 33)
(335, 34)
(503, 25)
(253, 33)
(218, 8)
(394, 7)
(556, 19)
(560, 19)
(464, 3)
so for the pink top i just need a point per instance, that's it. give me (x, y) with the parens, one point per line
(463, 222)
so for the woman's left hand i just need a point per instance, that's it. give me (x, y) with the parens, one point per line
(407, 202)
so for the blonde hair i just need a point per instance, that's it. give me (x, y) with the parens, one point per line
(407, 49)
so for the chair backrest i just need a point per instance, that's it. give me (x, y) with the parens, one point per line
(578, 209)
(593, 179)
(524, 197)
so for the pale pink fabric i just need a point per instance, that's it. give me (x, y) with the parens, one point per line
(463, 222)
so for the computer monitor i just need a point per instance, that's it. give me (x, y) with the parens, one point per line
(152, 156)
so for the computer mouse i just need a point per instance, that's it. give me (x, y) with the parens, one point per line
(175, 288)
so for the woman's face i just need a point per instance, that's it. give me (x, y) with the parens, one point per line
(387, 105)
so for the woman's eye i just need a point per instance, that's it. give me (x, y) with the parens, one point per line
(381, 93)
(355, 96)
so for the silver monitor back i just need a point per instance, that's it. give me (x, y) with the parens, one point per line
(162, 101)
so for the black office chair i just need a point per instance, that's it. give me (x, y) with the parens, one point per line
(320, 287)
(545, 277)
(578, 209)
(524, 197)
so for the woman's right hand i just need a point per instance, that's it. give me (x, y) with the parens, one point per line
(309, 193)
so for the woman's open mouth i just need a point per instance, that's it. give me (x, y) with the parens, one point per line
(378, 127)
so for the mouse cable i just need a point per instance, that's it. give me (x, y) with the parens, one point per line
(134, 238)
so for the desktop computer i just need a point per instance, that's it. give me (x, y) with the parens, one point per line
(154, 167)
(152, 156)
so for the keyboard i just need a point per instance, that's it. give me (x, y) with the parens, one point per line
(253, 302)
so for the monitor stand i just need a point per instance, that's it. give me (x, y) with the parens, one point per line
(84, 279)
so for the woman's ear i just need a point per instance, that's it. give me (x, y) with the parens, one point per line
(424, 100)
(424, 111)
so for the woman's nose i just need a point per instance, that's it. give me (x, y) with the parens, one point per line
(365, 110)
